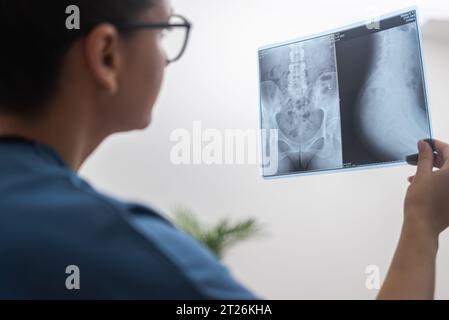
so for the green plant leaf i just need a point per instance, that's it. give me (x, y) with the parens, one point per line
(219, 237)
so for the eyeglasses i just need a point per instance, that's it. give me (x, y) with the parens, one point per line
(175, 34)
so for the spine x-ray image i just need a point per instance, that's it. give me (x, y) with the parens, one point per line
(346, 99)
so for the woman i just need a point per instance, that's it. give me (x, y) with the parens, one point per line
(62, 92)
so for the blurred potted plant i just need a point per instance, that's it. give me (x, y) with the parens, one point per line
(220, 236)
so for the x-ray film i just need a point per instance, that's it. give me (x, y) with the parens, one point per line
(347, 99)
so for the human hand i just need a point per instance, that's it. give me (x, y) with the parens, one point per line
(427, 199)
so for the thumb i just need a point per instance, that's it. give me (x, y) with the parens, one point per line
(425, 160)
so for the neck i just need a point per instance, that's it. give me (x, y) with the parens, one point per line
(70, 136)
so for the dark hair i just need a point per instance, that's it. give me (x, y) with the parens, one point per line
(34, 40)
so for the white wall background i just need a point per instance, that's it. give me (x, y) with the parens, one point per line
(322, 230)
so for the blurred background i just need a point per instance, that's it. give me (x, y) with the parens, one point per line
(322, 231)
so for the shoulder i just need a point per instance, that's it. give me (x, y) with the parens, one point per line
(188, 258)
(123, 250)
(196, 262)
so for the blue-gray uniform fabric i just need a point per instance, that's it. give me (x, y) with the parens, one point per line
(50, 219)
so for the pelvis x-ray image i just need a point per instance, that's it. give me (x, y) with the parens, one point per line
(346, 99)
(299, 98)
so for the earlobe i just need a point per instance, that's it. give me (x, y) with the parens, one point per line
(104, 57)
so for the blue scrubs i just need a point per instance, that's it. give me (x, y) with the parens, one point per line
(50, 218)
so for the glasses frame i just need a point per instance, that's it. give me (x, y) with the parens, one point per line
(162, 25)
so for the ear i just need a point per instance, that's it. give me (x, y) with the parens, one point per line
(104, 56)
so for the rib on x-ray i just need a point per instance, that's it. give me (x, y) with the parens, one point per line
(350, 98)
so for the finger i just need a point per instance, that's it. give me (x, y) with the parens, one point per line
(442, 158)
(425, 160)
